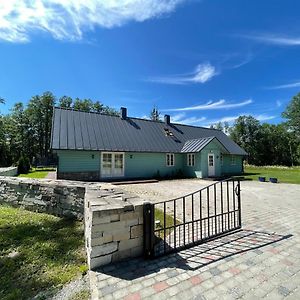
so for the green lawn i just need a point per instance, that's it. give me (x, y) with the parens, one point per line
(283, 174)
(37, 173)
(38, 252)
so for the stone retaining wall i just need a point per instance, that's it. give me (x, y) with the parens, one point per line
(113, 219)
(10, 171)
(113, 225)
(65, 199)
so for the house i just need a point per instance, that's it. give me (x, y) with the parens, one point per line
(93, 146)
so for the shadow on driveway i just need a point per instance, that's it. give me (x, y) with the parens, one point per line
(223, 248)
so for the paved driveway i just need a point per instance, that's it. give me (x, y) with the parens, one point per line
(261, 261)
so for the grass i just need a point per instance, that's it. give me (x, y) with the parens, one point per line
(283, 174)
(37, 173)
(38, 253)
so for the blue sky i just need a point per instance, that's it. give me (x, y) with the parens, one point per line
(200, 61)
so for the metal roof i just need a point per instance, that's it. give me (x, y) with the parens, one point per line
(196, 145)
(77, 130)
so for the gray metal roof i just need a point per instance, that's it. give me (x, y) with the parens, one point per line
(196, 145)
(76, 130)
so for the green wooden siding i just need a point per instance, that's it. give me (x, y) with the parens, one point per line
(192, 171)
(149, 165)
(228, 168)
(78, 161)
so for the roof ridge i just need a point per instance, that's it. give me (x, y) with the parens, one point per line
(135, 118)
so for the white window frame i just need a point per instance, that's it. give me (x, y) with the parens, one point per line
(190, 160)
(170, 159)
(233, 160)
(113, 164)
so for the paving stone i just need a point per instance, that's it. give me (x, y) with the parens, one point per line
(282, 290)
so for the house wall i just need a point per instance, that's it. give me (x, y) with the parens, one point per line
(85, 165)
(216, 148)
(228, 168)
(192, 171)
(145, 165)
(78, 165)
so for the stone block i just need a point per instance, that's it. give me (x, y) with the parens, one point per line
(129, 244)
(126, 216)
(101, 220)
(110, 227)
(121, 235)
(104, 249)
(99, 261)
(119, 255)
(115, 218)
(101, 240)
(136, 231)
(136, 251)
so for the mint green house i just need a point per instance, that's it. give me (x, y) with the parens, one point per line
(96, 147)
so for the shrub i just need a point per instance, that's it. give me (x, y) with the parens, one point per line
(23, 165)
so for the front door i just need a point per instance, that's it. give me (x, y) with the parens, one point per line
(112, 164)
(211, 164)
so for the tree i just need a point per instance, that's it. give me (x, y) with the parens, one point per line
(155, 114)
(40, 110)
(65, 102)
(246, 132)
(292, 114)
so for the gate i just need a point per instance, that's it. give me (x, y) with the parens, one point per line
(195, 218)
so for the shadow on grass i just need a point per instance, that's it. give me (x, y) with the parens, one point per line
(38, 254)
(223, 248)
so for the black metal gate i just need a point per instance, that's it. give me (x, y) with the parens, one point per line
(195, 218)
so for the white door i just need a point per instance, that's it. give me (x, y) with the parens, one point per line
(211, 164)
(112, 164)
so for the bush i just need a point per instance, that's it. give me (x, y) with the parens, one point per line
(23, 165)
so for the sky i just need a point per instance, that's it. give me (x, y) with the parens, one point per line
(199, 61)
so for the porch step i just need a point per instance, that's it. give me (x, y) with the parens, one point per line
(135, 181)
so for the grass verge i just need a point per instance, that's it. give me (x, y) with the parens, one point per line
(283, 174)
(38, 252)
(37, 173)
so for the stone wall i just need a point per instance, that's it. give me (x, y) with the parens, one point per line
(113, 225)
(65, 199)
(113, 219)
(10, 171)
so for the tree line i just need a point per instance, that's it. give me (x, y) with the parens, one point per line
(26, 131)
(269, 144)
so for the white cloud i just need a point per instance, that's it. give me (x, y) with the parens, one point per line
(202, 73)
(69, 19)
(274, 39)
(278, 103)
(220, 104)
(285, 86)
(183, 119)
(231, 119)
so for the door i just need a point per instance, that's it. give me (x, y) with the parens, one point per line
(211, 164)
(112, 164)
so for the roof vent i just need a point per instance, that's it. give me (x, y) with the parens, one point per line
(123, 113)
(167, 119)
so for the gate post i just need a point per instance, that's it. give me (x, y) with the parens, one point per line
(239, 203)
(148, 230)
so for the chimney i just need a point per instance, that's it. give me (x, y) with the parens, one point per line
(167, 119)
(123, 113)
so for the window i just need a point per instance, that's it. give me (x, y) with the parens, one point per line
(221, 159)
(191, 160)
(170, 159)
(233, 160)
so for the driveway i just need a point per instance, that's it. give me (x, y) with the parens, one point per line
(261, 261)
